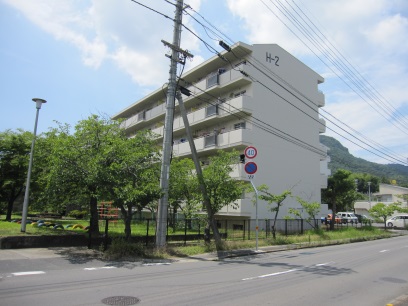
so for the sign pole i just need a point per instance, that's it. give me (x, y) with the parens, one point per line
(256, 215)
(251, 168)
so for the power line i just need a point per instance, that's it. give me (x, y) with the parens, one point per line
(287, 135)
(315, 104)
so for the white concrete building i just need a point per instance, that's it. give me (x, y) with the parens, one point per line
(388, 194)
(261, 96)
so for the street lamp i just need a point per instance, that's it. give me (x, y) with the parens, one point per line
(38, 102)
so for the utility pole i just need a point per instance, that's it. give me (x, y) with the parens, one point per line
(161, 228)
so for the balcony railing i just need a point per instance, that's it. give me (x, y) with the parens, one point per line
(228, 139)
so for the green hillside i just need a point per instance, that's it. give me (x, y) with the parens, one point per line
(342, 159)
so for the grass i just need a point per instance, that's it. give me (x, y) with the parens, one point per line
(115, 227)
(344, 235)
(121, 248)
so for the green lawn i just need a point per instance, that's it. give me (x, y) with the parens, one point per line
(116, 227)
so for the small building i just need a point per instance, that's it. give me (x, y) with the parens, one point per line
(388, 194)
(255, 95)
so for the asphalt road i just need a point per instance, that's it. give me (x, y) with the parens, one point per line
(368, 273)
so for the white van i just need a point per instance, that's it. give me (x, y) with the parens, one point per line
(347, 217)
(398, 221)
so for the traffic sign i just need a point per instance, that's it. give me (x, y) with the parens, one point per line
(251, 168)
(250, 152)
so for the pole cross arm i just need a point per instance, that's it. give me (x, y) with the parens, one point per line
(178, 49)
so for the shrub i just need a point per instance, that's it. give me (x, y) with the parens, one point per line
(120, 248)
(77, 214)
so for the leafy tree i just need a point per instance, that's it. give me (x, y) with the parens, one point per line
(222, 190)
(134, 174)
(362, 180)
(380, 210)
(311, 209)
(183, 188)
(340, 193)
(14, 156)
(79, 163)
(273, 200)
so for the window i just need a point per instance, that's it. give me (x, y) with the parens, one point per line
(141, 116)
(212, 80)
(211, 110)
(210, 141)
(240, 125)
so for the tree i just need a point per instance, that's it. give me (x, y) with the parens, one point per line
(134, 174)
(311, 209)
(340, 193)
(79, 163)
(273, 200)
(380, 210)
(14, 155)
(183, 188)
(222, 189)
(362, 180)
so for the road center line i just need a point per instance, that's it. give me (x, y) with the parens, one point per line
(269, 275)
(28, 273)
(157, 264)
(99, 268)
(383, 251)
(325, 264)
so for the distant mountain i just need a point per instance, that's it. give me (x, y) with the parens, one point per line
(342, 159)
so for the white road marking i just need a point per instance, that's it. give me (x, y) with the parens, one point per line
(269, 275)
(99, 268)
(28, 273)
(285, 272)
(383, 251)
(157, 264)
(325, 264)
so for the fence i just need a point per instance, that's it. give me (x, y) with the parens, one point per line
(191, 230)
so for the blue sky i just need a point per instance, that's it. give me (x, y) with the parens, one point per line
(99, 56)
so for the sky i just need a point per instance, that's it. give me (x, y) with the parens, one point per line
(99, 56)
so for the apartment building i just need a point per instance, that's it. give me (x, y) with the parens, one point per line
(256, 95)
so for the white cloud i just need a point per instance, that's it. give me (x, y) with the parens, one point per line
(371, 37)
(390, 34)
(124, 32)
(65, 22)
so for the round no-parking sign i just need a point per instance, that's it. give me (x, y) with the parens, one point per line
(251, 168)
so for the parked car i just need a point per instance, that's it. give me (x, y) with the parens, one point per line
(348, 217)
(398, 221)
(337, 219)
(364, 219)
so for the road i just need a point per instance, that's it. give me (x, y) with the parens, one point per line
(367, 273)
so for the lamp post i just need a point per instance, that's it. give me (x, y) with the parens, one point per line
(38, 102)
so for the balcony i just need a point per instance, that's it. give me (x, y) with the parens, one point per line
(214, 113)
(235, 138)
(243, 209)
(144, 116)
(322, 125)
(320, 99)
(218, 83)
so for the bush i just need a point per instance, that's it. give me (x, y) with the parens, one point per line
(77, 214)
(120, 248)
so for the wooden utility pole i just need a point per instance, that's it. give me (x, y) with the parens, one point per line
(161, 228)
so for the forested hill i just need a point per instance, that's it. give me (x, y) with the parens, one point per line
(342, 159)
